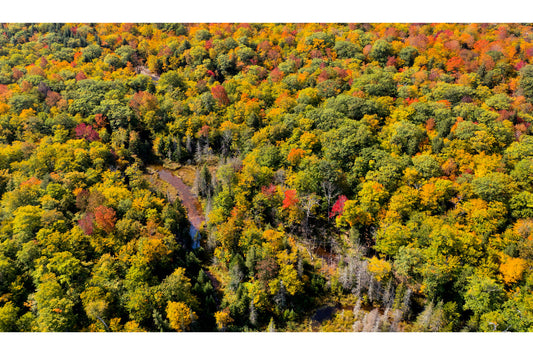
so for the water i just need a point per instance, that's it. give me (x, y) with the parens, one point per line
(195, 236)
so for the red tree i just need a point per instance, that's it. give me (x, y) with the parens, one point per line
(290, 199)
(86, 223)
(100, 120)
(81, 76)
(338, 206)
(87, 132)
(105, 218)
(219, 93)
(268, 191)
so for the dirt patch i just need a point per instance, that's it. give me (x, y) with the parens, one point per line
(188, 199)
(141, 69)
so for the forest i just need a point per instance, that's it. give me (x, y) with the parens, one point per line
(346, 177)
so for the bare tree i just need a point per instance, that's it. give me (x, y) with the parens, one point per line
(370, 320)
(308, 203)
(253, 314)
(330, 192)
(396, 318)
(406, 303)
(389, 295)
(375, 290)
(424, 319)
(225, 145)
(357, 326)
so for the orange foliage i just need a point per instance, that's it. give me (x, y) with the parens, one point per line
(295, 155)
(513, 269)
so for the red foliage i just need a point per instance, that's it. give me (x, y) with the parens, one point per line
(276, 75)
(264, 46)
(341, 73)
(219, 93)
(87, 132)
(419, 41)
(100, 120)
(86, 223)
(52, 98)
(323, 76)
(17, 74)
(25, 86)
(290, 199)
(43, 62)
(268, 191)
(430, 124)
(81, 76)
(204, 131)
(338, 206)
(520, 65)
(105, 218)
(143, 101)
(411, 101)
(392, 61)
(454, 64)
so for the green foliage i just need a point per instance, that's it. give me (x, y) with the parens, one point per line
(386, 166)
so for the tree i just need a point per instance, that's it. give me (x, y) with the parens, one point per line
(426, 166)
(513, 269)
(55, 311)
(86, 132)
(381, 50)
(105, 219)
(180, 316)
(91, 52)
(526, 81)
(406, 137)
(483, 295)
(8, 317)
(223, 319)
(494, 186)
(219, 93)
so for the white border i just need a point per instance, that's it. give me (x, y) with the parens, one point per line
(267, 11)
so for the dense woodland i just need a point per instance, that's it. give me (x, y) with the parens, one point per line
(354, 177)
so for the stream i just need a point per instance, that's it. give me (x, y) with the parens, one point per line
(190, 202)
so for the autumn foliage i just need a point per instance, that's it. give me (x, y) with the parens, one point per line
(345, 177)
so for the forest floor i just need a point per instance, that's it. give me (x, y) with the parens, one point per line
(145, 71)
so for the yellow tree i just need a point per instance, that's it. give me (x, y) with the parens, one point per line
(180, 316)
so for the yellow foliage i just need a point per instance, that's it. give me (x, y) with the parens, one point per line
(427, 195)
(485, 163)
(132, 326)
(289, 277)
(402, 113)
(286, 258)
(273, 237)
(4, 108)
(223, 318)
(410, 175)
(216, 216)
(180, 316)
(379, 267)
(257, 294)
